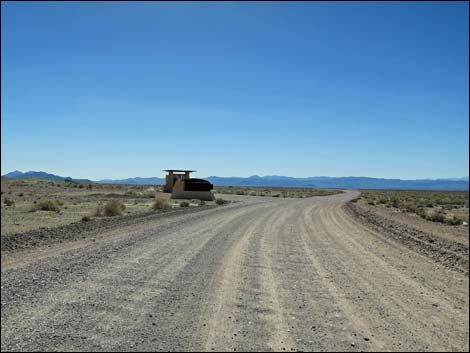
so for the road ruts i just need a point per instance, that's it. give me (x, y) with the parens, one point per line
(264, 274)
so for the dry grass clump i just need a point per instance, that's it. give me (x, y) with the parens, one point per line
(220, 201)
(454, 221)
(110, 209)
(160, 204)
(184, 204)
(46, 205)
(114, 208)
(436, 217)
(150, 192)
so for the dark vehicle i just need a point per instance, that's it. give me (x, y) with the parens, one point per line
(197, 185)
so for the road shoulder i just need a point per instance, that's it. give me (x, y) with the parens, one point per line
(454, 255)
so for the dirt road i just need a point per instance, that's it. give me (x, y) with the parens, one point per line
(272, 274)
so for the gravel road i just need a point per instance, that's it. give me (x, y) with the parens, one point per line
(260, 274)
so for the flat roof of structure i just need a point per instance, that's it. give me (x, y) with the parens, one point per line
(177, 170)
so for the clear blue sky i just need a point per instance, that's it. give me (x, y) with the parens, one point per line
(114, 90)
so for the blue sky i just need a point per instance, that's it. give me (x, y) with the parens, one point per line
(115, 90)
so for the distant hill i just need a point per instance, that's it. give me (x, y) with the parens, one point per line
(344, 182)
(137, 180)
(284, 181)
(42, 175)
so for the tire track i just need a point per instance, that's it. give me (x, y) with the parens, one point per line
(277, 274)
(409, 311)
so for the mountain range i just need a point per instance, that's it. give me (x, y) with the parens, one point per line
(284, 181)
(42, 175)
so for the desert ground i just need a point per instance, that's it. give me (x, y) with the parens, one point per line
(337, 272)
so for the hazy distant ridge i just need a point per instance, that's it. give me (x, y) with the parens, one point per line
(344, 182)
(137, 180)
(274, 180)
(43, 175)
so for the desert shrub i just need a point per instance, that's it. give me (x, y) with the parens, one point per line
(355, 200)
(86, 219)
(47, 205)
(383, 200)
(371, 203)
(454, 221)
(409, 207)
(89, 186)
(421, 212)
(184, 204)
(160, 204)
(20, 194)
(240, 192)
(150, 192)
(275, 195)
(252, 193)
(8, 202)
(60, 202)
(444, 201)
(114, 208)
(220, 201)
(436, 217)
(395, 203)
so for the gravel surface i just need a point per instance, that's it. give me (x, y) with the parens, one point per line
(47, 236)
(271, 274)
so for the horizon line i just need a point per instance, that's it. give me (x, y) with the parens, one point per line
(250, 176)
